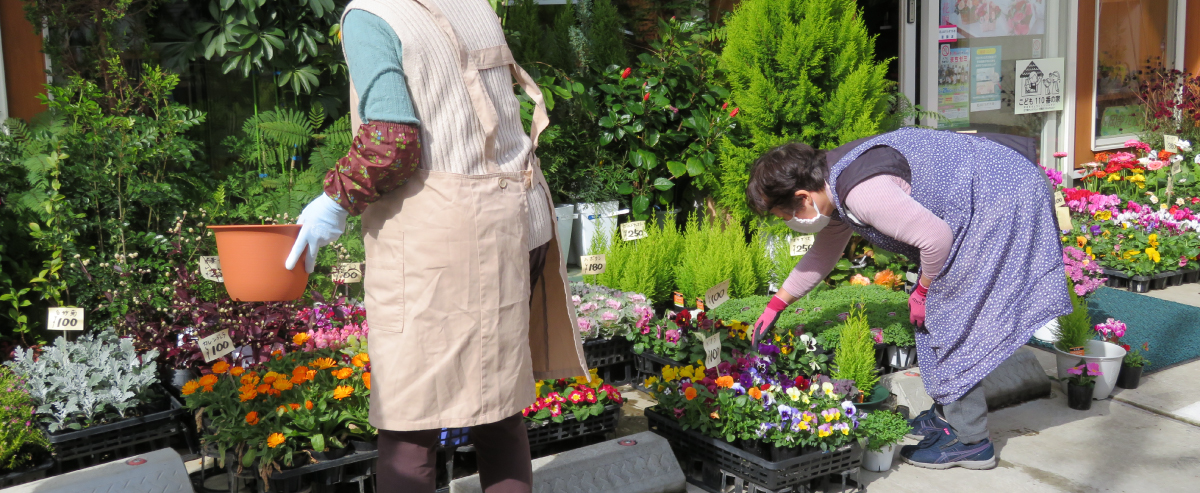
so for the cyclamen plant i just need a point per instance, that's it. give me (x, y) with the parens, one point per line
(604, 313)
(1112, 330)
(1134, 358)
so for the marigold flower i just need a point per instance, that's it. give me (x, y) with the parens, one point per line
(220, 367)
(275, 440)
(281, 409)
(282, 384)
(323, 363)
(250, 379)
(270, 377)
(360, 360)
(277, 354)
(308, 405)
(343, 373)
(310, 374)
(248, 394)
(366, 376)
(264, 388)
(252, 418)
(689, 393)
(207, 382)
(300, 339)
(190, 387)
(237, 371)
(299, 370)
(342, 392)
(298, 379)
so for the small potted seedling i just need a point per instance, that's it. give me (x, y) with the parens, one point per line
(883, 431)
(1131, 367)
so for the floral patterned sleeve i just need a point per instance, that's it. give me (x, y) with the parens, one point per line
(382, 157)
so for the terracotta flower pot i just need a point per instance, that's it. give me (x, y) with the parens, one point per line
(252, 260)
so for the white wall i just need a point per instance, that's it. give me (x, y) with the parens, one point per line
(3, 88)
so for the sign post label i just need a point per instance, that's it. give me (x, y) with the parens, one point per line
(634, 230)
(64, 318)
(216, 345)
(347, 273)
(712, 350)
(717, 295)
(801, 244)
(592, 264)
(210, 268)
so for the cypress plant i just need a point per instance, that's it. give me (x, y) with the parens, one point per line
(606, 35)
(799, 70)
(855, 357)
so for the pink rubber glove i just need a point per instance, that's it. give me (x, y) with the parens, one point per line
(766, 321)
(916, 305)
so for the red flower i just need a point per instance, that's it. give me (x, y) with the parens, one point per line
(576, 397)
(646, 97)
(765, 386)
(734, 112)
(801, 382)
(625, 73)
(726, 105)
(1125, 346)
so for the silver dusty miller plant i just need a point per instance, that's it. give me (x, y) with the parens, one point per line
(91, 380)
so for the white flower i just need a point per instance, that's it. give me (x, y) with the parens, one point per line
(1196, 159)
(1153, 199)
(1144, 160)
(1179, 201)
(1175, 158)
(1183, 145)
(794, 393)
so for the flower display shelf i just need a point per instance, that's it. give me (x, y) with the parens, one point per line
(27, 476)
(612, 358)
(570, 428)
(719, 455)
(75, 450)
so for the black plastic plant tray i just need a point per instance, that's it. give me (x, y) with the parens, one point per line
(570, 428)
(618, 374)
(649, 363)
(27, 476)
(690, 445)
(125, 438)
(604, 352)
(1116, 279)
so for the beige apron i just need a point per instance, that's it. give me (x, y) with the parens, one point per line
(455, 339)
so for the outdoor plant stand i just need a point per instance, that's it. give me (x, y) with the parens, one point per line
(709, 460)
(99, 444)
(612, 359)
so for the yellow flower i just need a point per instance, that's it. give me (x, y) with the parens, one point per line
(322, 363)
(699, 373)
(650, 381)
(1153, 240)
(537, 388)
(580, 380)
(714, 415)
(1081, 241)
(669, 374)
(1103, 215)
(360, 360)
(342, 392)
(1153, 254)
(1089, 252)
(1131, 253)
(1137, 173)
(687, 372)
(300, 339)
(1114, 177)
(275, 440)
(190, 387)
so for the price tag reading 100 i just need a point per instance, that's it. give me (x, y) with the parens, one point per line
(216, 345)
(712, 350)
(716, 295)
(65, 318)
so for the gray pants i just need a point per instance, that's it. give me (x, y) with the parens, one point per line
(967, 415)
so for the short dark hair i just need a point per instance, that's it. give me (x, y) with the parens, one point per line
(779, 172)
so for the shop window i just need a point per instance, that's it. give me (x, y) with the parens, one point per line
(1130, 35)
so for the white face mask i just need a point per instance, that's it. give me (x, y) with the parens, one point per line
(808, 226)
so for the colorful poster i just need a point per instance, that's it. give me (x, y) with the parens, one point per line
(954, 73)
(992, 18)
(1040, 85)
(985, 78)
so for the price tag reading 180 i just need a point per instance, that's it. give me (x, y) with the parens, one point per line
(716, 295)
(801, 244)
(210, 268)
(216, 345)
(712, 350)
(592, 264)
(347, 273)
(65, 318)
(634, 230)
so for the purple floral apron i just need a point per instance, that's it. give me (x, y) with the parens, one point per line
(1004, 277)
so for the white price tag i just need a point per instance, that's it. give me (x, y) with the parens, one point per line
(348, 273)
(1061, 212)
(634, 230)
(210, 268)
(947, 33)
(592, 264)
(801, 244)
(65, 318)
(712, 350)
(216, 345)
(716, 295)
(1169, 143)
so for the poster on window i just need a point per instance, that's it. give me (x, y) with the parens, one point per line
(985, 78)
(1040, 85)
(954, 74)
(992, 18)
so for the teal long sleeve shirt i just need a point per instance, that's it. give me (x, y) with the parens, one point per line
(373, 54)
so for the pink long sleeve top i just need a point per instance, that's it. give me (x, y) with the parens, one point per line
(883, 202)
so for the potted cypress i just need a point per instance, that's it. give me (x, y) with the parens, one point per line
(883, 430)
(855, 359)
(1131, 367)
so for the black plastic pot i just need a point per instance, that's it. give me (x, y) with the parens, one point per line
(1191, 275)
(1130, 376)
(361, 446)
(1176, 279)
(1139, 284)
(1159, 281)
(756, 447)
(26, 476)
(1116, 279)
(1079, 397)
(785, 453)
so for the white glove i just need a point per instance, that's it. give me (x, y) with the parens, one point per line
(323, 221)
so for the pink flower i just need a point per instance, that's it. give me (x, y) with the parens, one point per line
(1075, 370)
(587, 307)
(1093, 368)
(614, 304)
(1155, 165)
(877, 334)
(672, 336)
(1060, 154)
(609, 316)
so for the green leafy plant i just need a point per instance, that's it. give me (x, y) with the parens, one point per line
(883, 428)
(714, 252)
(799, 70)
(855, 357)
(1134, 357)
(1075, 328)
(645, 265)
(22, 445)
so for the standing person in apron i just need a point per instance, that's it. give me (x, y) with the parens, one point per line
(466, 291)
(978, 214)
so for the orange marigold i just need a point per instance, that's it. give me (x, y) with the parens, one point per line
(207, 382)
(273, 392)
(237, 371)
(264, 388)
(282, 384)
(367, 380)
(308, 405)
(689, 393)
(248, 394)
(725, 382)
(343, 373)
(190, 387)
(249, 379)
(220, 367)
(294, 406)
(277, 354)
(281, 410)
(252, 418)
(300, 339)
(300, 370)
(270, 377)
(322, 363)
(310, 374)
(275, 440)
(360, 360)
(342, 392)
(298, 379)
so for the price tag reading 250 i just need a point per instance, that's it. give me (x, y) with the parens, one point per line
(216, 345)
(801, 244)
(65, 318)
(592, 264)
(634, 230)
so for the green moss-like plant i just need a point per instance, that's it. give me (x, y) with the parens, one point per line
(799, 70)
(819, 312)
(1075, 328)
(855, 359)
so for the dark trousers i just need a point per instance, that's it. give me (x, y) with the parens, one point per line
(407, 459)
